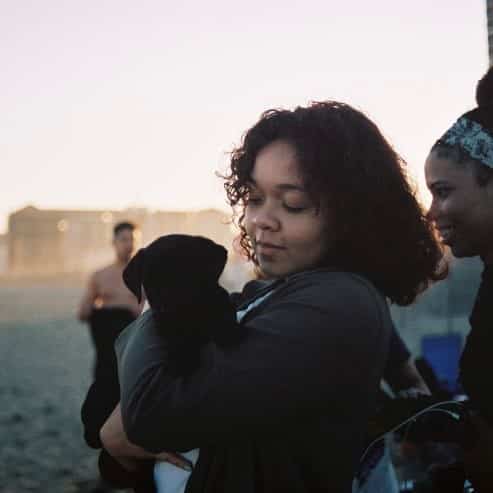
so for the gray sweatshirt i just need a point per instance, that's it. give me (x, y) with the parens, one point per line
(283, 410)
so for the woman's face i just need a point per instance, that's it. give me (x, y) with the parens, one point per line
(461, 208)
(288, 232)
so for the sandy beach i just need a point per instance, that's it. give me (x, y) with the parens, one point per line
(44, 373)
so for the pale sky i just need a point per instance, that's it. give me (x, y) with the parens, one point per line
(115, 103)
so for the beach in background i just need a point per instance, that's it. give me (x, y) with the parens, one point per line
(46, 362)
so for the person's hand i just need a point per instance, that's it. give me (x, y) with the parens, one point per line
(131, 464)
(175, 459)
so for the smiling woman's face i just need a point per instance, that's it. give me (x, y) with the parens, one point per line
(288, 232)
(461, 209)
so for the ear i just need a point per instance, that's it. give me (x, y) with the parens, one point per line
(133, 273)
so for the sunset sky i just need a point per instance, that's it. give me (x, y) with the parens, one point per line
(115, 103)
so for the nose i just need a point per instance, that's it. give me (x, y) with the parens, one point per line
(266, 219)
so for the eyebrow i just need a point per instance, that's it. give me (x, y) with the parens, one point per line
(282, 186)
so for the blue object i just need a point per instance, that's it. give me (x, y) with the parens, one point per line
(443, 353)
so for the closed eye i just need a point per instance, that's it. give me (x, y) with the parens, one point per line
(441, 192)
(294, 210)
(253, 200)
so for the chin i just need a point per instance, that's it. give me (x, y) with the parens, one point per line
(270, 274)
(270, 271)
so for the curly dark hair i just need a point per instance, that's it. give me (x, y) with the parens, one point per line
(381, 230)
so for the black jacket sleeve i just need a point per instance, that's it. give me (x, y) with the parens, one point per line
(320, 342)
(398, 355)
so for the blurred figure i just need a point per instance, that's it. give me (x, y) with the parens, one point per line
(106, 288)
(459, 174)
(108, 307)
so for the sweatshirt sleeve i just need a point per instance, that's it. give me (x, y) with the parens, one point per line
(320, 343)
(398, 355)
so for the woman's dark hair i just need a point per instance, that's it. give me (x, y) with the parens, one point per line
(380, 229)
(484, 91)
(483, 115)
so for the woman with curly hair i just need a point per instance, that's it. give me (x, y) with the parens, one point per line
(328, 218)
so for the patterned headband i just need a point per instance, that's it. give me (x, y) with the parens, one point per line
(472, 138)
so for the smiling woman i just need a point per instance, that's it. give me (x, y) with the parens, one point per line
(461, 207)
(459, 174)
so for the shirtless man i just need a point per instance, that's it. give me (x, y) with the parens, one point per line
(108, 307)
(106, 288)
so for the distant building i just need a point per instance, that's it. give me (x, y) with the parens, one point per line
(4, 252)
(44, 242)
(489, 13)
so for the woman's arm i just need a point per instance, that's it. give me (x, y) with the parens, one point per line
(320, 344)
(116, 443)
(400, 371)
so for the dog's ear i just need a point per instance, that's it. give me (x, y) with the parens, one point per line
(214, 260)
(133, 274)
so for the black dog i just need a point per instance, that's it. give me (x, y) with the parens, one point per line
(178, 274)
(174, 265)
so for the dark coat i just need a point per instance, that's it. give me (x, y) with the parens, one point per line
(283, 410)
(476, 365)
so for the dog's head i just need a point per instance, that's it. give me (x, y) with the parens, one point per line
(172, 265)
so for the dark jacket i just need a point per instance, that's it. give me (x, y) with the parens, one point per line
(284, 410)
(476, 365)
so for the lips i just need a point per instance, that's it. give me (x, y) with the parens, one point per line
(268, 245)
(266, 248)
